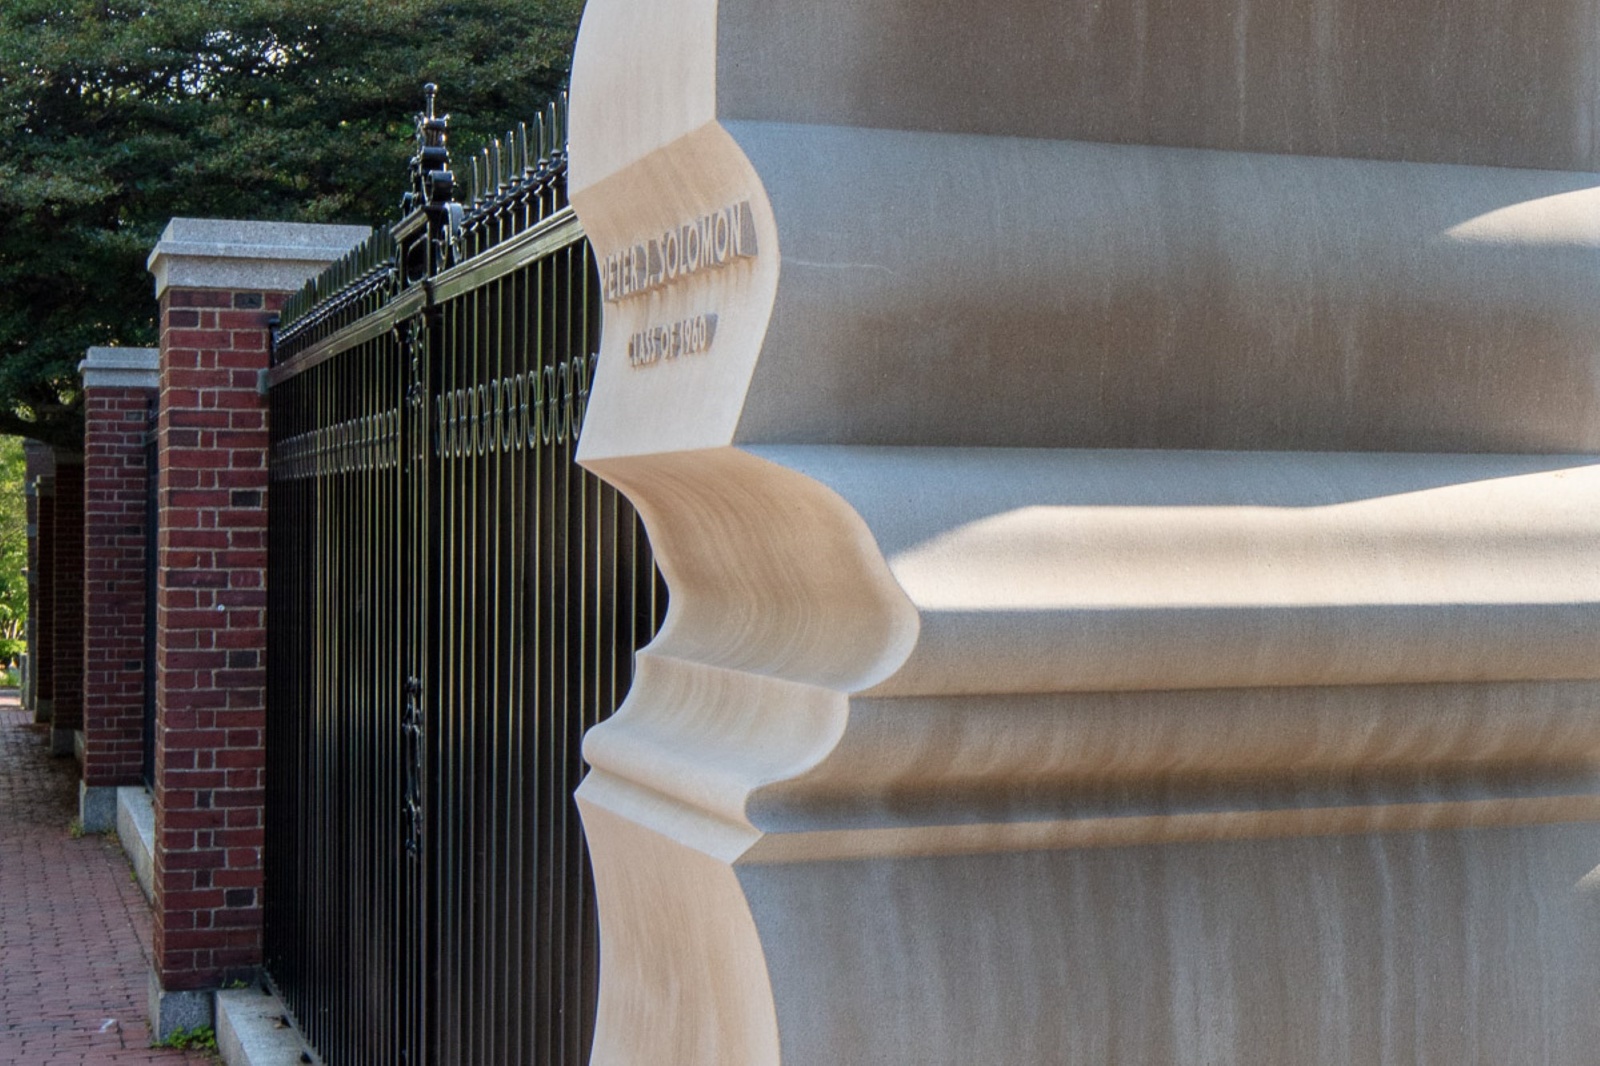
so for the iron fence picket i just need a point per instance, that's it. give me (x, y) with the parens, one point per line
(452, 602)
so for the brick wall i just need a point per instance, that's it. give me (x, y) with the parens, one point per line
(67, 606)
(114, 583)
(211, 625)
(44, 602)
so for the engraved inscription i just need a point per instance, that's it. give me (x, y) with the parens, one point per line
(706, 243)
(690, 336)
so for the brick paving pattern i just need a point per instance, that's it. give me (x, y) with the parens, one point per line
(74, 929)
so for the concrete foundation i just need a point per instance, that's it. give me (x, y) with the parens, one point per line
(171, 1011)
(253, 1030)
(136, 828)
(97, 808)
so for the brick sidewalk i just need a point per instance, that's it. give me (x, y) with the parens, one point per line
(74, 929)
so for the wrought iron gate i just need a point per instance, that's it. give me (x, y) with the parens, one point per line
(452, 603)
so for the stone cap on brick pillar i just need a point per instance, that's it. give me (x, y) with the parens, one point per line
(121, 368)
(218, 253)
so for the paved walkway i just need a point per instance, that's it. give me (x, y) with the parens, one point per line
(74, 929)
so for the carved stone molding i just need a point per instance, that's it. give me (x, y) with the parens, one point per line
(1131, 602)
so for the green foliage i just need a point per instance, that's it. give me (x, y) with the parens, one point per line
(13, 552)
(118, 116)
(200, 1038)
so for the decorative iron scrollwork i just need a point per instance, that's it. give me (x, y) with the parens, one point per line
(411, 336)
(412, 729)
(541, 407)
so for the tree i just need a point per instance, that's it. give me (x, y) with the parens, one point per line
(13, 550)
(118, 116)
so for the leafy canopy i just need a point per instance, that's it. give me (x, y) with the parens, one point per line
(116, 117)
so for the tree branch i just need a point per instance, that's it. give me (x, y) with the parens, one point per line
(56, 434)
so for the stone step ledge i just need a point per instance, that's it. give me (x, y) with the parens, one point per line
(136, 828)
(253, 1029)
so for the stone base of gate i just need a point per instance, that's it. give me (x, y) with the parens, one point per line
(252, 1030)
(174, 1010)
(136, 829)
(1434, 947)
(97, 807)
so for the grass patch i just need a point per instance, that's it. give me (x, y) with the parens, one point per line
(200, 1038)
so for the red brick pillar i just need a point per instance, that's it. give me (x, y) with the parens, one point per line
(66, 712)
(44, 665)
(218, 283)
(119, 385)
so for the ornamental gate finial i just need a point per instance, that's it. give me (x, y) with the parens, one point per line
(432, 181)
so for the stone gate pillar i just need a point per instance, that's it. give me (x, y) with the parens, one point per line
(1126, 479)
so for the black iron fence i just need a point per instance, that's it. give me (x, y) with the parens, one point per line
(452, 604)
